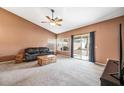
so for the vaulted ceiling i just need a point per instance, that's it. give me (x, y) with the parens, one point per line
(73, 17)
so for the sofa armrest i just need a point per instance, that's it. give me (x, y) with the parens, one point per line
(20, 56)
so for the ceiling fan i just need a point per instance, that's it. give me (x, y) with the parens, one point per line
(53, 21)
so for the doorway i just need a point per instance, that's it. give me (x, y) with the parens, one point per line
(81, 46)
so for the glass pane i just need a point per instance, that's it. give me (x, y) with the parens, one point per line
(63, 44)
(81, 46)
(77, 47)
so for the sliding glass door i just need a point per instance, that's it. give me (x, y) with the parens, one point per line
(81, 46)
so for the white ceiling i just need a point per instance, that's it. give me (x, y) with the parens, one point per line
(73, 17)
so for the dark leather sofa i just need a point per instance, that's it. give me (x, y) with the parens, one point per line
(31, 54)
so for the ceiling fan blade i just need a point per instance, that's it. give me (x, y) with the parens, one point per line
(48, 18)
(59, 20)
(44, 22)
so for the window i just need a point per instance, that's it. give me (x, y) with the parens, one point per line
(63, 44)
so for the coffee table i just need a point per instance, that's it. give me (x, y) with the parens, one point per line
(46, 59)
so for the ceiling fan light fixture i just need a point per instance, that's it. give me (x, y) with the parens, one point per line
(52, 23)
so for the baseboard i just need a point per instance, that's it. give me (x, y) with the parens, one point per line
(100, 64)
(7, 58)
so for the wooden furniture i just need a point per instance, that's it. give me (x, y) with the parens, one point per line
(106, 79)
(20, 56)
(43, 60)
(7, 58)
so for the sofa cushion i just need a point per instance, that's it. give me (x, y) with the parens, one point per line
(30, 58)
(43, 49)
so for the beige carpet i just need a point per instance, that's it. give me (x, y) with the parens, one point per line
(65, 72)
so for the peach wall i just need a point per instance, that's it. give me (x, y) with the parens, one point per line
(17, 33)
(106, 38)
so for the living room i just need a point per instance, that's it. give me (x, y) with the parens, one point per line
(70, 52)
